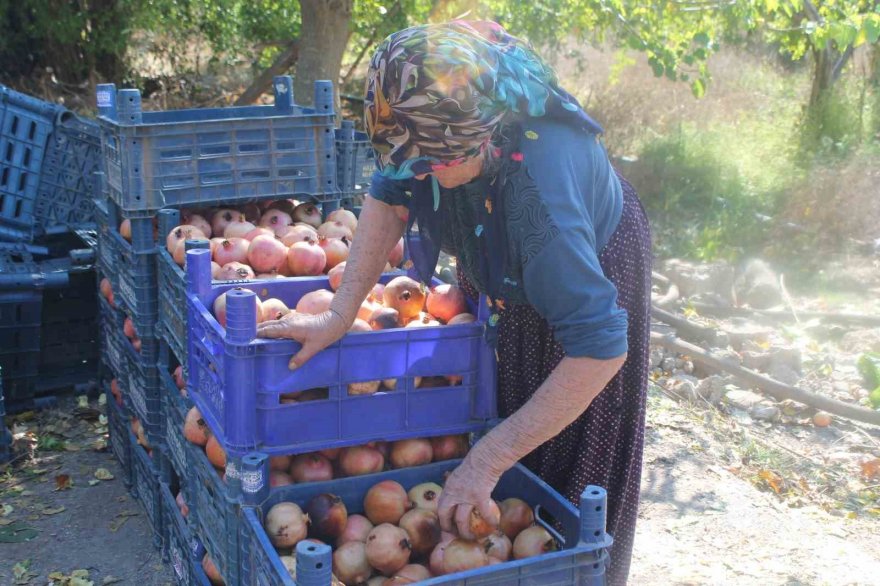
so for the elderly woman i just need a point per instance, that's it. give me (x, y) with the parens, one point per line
(479, 146)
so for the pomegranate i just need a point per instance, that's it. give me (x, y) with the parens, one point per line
(136, 344)
(334, 230)
(345, 217)
(178, 378)
(350, 563)
(266, 253)
(363, 388)
(142, 438)
(215, 271)
(446, 301)
(258, 232)
(311, 468)
(423, 528)
(199, 222)
(116, 392)
(211, 571)
(462, 318)
(238, 229)
(315, 302)
(275, 219)
(383, 447)
(306, 259)
(423, 320)
(279, 463)
(231, 250)
(274, 309)
(286, 525)
(106, 288)
(180, 233)
(395, 257)
(298, 233)
(357, 527)
(516, 515)
(365, 312)
(179, 254)
(277, 479)
(360, 460)
(461, 555)
(404, 295)
(821, 419)
(328, 516)
(222, 218)
(335, 249)
(386, 502)
(272, 275)
(128, 328)
(285, 205)
(215, 452)
(410, 574)
(289, 563)
(498, 546)
(481, 527)
(449, 447)
(235, 271)
(435, 562)
(411, 452)
(220, 310)
(384, 318)
(181, 504)
(195, 430)
(330, 453)
(376, 294)
(360, 325)
(387, 548)
(532, 541)
(425, 495)
(307, 213)
(125, 229)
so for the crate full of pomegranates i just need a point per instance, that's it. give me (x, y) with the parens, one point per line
(415, 364)
(383, 529)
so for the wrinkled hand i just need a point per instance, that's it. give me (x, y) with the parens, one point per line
(466, 489)
(314, 332)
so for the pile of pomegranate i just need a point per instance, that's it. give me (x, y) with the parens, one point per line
(397, 538)
(261, 241)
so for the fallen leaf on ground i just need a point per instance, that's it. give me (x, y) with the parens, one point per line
(870, 468)
(63, 482)
(17, 532)
(6, 510)
(772, 479)
(110, 579)
(53, 510)
(103, 474)
(120, 520)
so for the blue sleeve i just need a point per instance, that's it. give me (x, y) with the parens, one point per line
(562, 277)
(390, 191)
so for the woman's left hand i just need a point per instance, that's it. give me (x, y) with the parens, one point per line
(466, 489)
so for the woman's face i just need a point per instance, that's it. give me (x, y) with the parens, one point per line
(457, 175)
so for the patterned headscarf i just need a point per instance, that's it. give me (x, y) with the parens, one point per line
(436, 93)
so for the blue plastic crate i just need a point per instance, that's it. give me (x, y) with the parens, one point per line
(175, 406)
(5, 434)
(111, 324)
(145, 487)
(177, 543)
(243, 408)
(583, 541)
(143, 386)
(120, 436)
(355, 159)
(191, 157)
(25, 126)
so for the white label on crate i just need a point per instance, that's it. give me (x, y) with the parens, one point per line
(126, 290)
(281, 88)
(177, 562)
(105, 99)
(252, 481)
(231, 470)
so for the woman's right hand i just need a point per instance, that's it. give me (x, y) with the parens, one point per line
(314, 332)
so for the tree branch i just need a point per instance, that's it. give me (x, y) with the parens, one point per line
(281, 65)
(372, 39)
(841, 63)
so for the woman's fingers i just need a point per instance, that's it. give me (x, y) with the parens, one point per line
(304, 354)
(490, 512)
(463, 520)
(446, 512)
(276, 328)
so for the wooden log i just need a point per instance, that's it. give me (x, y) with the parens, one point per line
(774, 388)
(685, 327)
(832, 317)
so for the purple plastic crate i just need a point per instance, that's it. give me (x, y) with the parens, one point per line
(243, 407)
(581, 560)
(177, 543)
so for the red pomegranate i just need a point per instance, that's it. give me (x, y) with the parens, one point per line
(315, 302)
(235, 271)
(231, 250)
(446, 301)
(299, 233)
(307, 213)
(222, 218)
(306, 259)
(266, 254)
(334, 230)
(335, 249)
(238, 229)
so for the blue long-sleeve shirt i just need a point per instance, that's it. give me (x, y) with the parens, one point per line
(559, 218)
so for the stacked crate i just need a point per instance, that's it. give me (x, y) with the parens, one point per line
(155, 165)
(356, 163)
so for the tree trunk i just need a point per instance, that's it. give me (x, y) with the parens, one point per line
(263, 82)
(323, 38)
(823, 68)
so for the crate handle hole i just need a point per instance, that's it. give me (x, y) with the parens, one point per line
(598, 509)
(597, 533)
(594, 492)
